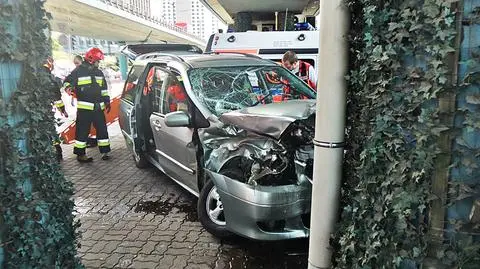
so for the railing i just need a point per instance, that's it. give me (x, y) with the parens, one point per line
(125, 6)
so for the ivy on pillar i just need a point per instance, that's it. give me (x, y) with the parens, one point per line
(37, 227)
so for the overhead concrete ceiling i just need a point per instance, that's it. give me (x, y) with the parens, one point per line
(235, 6)
(77, 18)
(227, 9)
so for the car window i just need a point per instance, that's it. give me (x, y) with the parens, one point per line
(155, 79)
(130, 87)
(174, 95)
(223, 89)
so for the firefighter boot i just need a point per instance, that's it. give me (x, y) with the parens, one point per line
(105, 156)
(84, 159)
(58, 148)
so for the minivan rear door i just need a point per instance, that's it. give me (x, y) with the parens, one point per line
(135, 50)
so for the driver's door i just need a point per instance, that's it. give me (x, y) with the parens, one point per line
(174, 147)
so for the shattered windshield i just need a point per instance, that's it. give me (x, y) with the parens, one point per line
(224, 89)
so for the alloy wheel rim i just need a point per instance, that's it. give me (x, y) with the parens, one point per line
(215, 207)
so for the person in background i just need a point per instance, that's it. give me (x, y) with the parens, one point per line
(55, 85)
(301, 69)
(77, 60)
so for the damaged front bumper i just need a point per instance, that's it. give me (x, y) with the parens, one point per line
(265, 212)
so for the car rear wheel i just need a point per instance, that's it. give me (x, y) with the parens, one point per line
(210, 211)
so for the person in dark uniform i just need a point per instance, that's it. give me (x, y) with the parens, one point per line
(77, 61)
(55, 86)
(90, 87)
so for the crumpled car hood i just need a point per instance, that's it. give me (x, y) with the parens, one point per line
(272, 119)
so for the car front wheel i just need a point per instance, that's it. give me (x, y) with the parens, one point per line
(211, 213)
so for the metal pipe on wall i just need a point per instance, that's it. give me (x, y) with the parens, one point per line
(329, 129)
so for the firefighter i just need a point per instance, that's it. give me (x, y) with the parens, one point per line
(90, 88)
(301, 69)
(77, 61)
(176, 97)
(55, 84)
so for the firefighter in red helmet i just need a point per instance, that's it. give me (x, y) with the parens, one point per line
(90, 87)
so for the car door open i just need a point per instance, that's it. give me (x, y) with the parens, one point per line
(174, 147)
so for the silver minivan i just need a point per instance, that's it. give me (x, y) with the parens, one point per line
(234, 130)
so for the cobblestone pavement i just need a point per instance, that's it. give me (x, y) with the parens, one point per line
(138, 218)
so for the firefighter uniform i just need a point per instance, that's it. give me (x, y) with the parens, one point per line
(56, 97)
(90, 87)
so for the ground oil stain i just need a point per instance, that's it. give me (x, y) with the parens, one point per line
(163, 208)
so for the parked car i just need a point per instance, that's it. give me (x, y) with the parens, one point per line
(234, 130)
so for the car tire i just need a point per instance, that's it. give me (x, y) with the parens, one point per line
(140, 160)
(210, 211)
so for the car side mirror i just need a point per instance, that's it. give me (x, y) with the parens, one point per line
(177, 119)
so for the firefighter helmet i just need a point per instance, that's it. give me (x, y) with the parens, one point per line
(93, 55)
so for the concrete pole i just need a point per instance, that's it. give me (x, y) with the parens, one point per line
(329, 130)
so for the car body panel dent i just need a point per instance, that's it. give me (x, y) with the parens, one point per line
(272, 119)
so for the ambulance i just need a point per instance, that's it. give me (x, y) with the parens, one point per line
(267, 45)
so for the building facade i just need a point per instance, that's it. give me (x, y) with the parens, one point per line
(164, 10)
(198, 19)
(138, 7)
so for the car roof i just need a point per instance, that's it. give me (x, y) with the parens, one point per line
(209, 60)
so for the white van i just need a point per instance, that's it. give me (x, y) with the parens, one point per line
(268, 45)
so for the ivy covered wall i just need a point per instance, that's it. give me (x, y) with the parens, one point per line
(407, 106)
(37, 228)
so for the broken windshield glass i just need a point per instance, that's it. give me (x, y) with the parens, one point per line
(224, 89)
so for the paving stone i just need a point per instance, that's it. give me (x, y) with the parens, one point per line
(201, 266)
(138, 244)
(144, 265)
(126, 261)
(179, 263)
(180, 236)
(144, 227)
(98, 234)
(161, 238)
(164, 232)
(111, 246)
(175, 226)
(95, 256)
(149, 258)
(166, 262)
(98, 246)
(149, 247)
(88, 243)
(118, 232)
(113, 237)
(92, 264)
(112, 260)
(209, 260)
(133, 235)
(178, 251)
(184, 245)
(144, 235)
(127, 250)
(160, 248)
